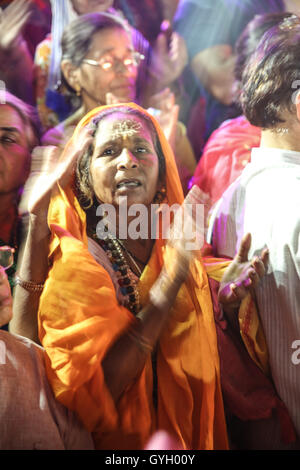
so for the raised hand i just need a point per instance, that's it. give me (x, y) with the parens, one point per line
(48, 169)
(54, 171)
(163, 107)
(169, 56)
(242, 276)
(186, 235)
(13, 20)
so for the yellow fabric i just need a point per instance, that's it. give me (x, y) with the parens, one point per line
(215, 267)
(253, 335)
(80, 318)
(250, 326)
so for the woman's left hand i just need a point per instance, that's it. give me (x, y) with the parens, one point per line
(242, 276)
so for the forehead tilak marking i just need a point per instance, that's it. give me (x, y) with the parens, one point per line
(126, 128)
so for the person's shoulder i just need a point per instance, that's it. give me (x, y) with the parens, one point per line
(20, 345)
(238, 133)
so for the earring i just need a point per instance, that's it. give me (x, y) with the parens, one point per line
(78, 90)
(160, 196)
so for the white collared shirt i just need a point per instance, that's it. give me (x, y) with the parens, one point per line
(265, 201)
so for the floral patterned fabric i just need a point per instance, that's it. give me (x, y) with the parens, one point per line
(47, 116)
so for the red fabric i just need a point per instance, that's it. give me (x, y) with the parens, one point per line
(225, 155)
(248, 394)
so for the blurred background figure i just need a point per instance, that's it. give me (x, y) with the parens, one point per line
(164, 60)
(100, 65)
(228, 149)
(16, 69)
(210, 30)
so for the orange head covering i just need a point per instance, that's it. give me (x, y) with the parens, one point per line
(80, 318)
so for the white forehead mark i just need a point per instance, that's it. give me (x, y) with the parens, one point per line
(126, 128)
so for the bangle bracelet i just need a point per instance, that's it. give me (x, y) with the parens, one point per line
(158, 292)
(30, 286)
(140, 340)
(158, 299)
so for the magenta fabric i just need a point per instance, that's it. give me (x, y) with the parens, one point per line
(225, 155)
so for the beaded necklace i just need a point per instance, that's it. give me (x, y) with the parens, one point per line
(134, 259)
(126, 278)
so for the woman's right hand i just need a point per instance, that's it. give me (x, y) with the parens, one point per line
(186, 238)
(187, 231)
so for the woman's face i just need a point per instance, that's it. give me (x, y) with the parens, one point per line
(95, 82)
(91, 6)
(124, 161)
(14, 152)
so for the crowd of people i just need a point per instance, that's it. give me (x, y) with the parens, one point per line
(149, 237)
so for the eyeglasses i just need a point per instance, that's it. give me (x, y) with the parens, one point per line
(109, 62)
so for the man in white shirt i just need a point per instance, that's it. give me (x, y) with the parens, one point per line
(265, 201)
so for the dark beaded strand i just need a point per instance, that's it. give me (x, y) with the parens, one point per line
(126, 281)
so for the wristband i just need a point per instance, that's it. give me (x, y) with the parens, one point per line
(158, 292)
(30, 286)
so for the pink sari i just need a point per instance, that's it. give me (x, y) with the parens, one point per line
(225, 155)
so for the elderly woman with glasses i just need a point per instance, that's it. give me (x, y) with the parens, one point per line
(165, 57)
(100, 66)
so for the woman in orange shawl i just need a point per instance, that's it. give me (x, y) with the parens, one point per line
(97, 337)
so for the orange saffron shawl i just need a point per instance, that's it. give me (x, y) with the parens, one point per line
(80, 318)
